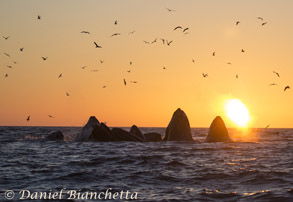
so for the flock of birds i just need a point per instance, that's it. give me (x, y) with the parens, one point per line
(164, 42)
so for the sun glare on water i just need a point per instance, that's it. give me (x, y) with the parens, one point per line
(237, 112)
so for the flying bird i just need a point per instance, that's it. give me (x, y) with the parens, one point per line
(154, 41)
(116, 22)
(101, 61)
(130, 63)
(115, 34)
(60, 75)
(97, 46)
(168, 43)
(50, 116)
(170, 10)
(273, 84)
(67, 94)
(83, 67)
(242, 50)
(267, 126)
(204, 75)
(178, 27)
(9, 66)
(260, 18)
(163, 40)
(186, 29)
(14, 62)
(131, 32)
(129, 71)
(133, 81)
(85, 32)
(39, 17)
(264, 23)
(21, 49)
(6, 54)
(214, 53)
(104, 86)
(44, 58)
(6, 75)
(236, 76)
(28, 118)
(193, 60)
(237, 22)
(229, 63)
(276, 73)
(146, 42)
(124, 82)
(6, 38)
(287, 87)
(164, 67)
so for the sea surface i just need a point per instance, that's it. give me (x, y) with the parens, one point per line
(258, 166)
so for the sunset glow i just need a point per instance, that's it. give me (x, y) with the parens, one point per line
(237, 112)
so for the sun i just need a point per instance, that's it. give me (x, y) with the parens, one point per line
(237, 112)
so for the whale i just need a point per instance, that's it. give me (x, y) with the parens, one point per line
(218, 131)
(178, 128)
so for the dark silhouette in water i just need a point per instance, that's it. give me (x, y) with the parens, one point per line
(218, 131)
(57, 135)
(178, 128)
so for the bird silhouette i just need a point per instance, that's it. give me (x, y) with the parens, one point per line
(168, 42)
(242, 50)
(236, 76)
(21, 49)
(164, 67)
(14, 62)
(264, 23)
(267, 126)
(97, 46)
(237, 23)
(6, 75)
(67, 94)
(132, 32)
(229, 63)
(7, 54)
(163, 40)
(60, 75)
(83, 67)
(130, 63)
(50, 116)
(124, 82)
(85, 32)
(6, 38)
(260, 18)
(154, 41)
(170, 10)
(129, 71)
(39, 17)
(178, 27)
(104, 86)
(101, 61)
(186, 29)
(116, 22)
(205, 75)
(276, 73)
(214, 53)
(44, 58)
(273, 84)
(28, 118)
(115, 34)
(193, 60)
(9, 66)
(133, 81)
(286, 88)
(146, 42)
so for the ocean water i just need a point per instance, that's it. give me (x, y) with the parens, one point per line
(258, 166)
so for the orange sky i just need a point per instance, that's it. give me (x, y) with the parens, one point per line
(33, 88)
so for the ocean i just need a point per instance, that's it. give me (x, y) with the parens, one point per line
(258, 166)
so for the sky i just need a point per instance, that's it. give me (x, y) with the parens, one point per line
(33, 88)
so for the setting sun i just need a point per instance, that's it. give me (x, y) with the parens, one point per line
(237, 112)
